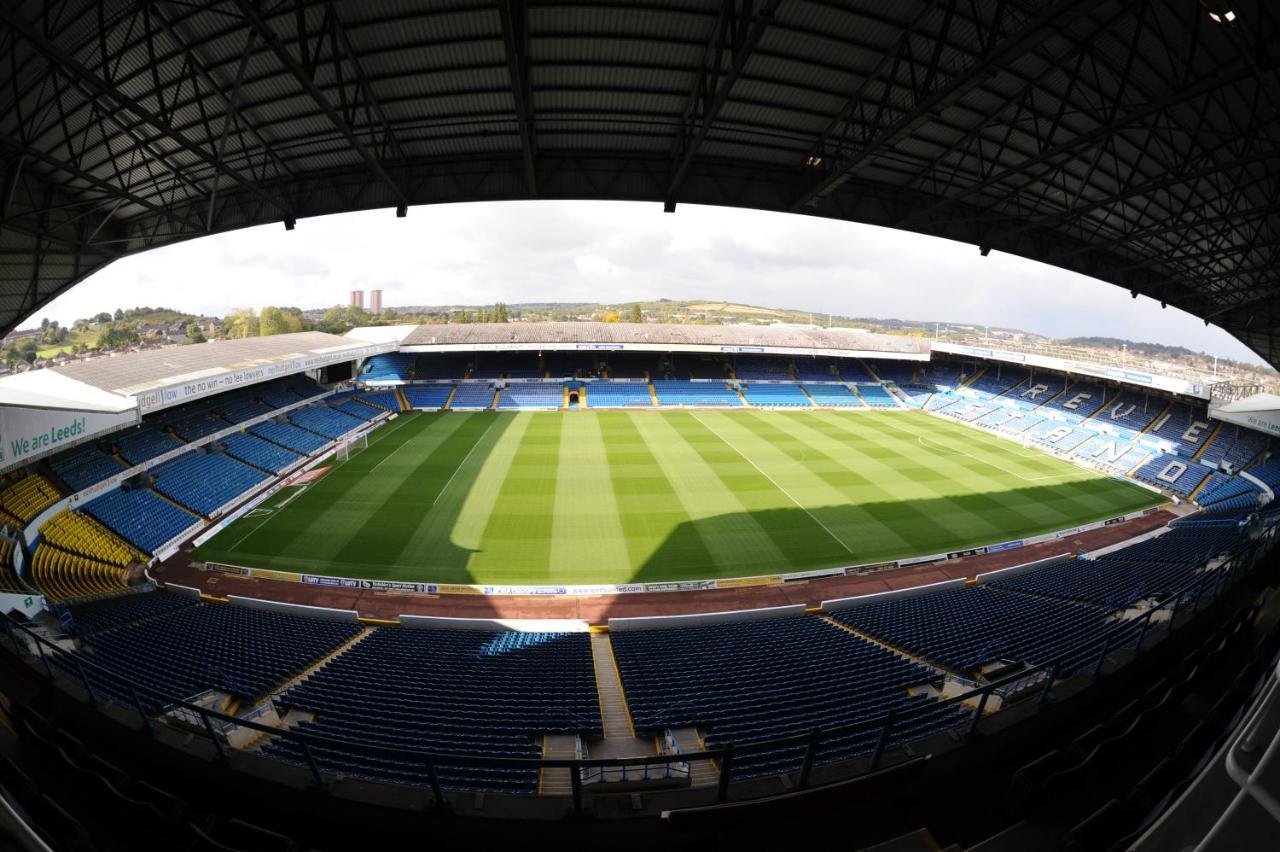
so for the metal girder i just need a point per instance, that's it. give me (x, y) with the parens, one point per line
(515, 44)
(737, 32)
(63, 63)
(304, 79)
(939, 89)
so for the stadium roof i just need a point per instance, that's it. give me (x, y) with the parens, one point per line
(578, 334)
(1132, 141)
(207, 368)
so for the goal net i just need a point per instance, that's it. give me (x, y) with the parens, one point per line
(350, 446)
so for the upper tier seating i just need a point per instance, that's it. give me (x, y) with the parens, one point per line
(142, 517)
(834, 395)
(1130, 413)
(761, 367)
(259, 452)
(143, 444)
(901, 372)
(829, 370)
(1188, 428)
(197, 425)
(677, 393)
(507, 365)
(618, 395)
(188, 650)
(568, 365)
(966, 628)
(77, 557)
(291, 437)
(448, 691)
(472, 395)
(1113, 453)
(877, 397)
(998, 379)
(325, 421)
(752, 681)
(1234, 445)
(694, 366)
(22, 497)
(1081, 399)
(1176, 474)
(204, 482)
(389, 367)
(429, 396)
(447, 365)
(85, 465)
(239, 408)
(532, 395)
(1268, 473)
(789, 395)
(633, 365)
(1149, 569)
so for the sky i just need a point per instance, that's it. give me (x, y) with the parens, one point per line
(554, 251)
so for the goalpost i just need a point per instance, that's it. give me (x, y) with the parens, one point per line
(350, 446)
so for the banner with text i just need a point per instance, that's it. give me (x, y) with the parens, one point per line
(27, 434)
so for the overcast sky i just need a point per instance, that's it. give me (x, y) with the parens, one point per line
(616, 252)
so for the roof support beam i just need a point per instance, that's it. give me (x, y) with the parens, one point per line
(939, 90)
(305, 80)
(515, 43)
(738, 30)
(115, 100)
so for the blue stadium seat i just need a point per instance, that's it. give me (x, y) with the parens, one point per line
(259, 452)
(674, 392)
(290, 437)
(620, 394)
(204, 482)
(143, 518)
(430, 397)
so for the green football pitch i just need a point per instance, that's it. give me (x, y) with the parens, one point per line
(585, 497)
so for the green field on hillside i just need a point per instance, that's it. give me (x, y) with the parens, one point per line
(586, 497)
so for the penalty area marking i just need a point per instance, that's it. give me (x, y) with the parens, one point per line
(268, 514)
(731, 446)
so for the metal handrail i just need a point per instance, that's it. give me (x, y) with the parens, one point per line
(1206, 585)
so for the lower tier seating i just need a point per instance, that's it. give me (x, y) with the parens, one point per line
(23, 496)
(618, 395)
(448, 691)
(241, 651)
(676, 393)
(964, 629)
(259, 452)
(834, 396)
(753, 681)
(430, 396)
(290, 437)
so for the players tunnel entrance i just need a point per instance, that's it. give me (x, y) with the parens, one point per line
(573, 397)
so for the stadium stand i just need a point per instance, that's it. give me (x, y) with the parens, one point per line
(827, 370)
(25, 495)
(325, 421)
(389, 367)
(507, 365)
(290, 437)
(259, 452)
(240, 651)
(618, 395)
(761, 368)
(448, 691)
(75, 532)
(445, 365)
(753, 681)
(1129, 413)
(1236, 446)
(569, 365)
(430, 397)
(204, 482)
(877, 397)
(104, 615)
(140, 516)
(676, 392)
(1081, 399)
(1186, 427)
(84, 466)
(77, 558)
(694, 366)
(385, 400)
(239, 407)
(633, 365)
(1149, 569)
(472, 395)
(1173, 473)
(195, 425)
(785, 395)
(532, 395)
(143, 444)
(899, 372)
(833, 396)
(967, 628)
(997, 379)
(9, 579)
(356, 408)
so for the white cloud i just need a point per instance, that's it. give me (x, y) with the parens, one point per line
(617, 252)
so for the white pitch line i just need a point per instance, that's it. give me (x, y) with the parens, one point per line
(731, 446)
(393, 452)
(270, 514)
(463, 463)
(925, 442)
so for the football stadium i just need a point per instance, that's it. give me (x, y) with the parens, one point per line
(643, 585)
